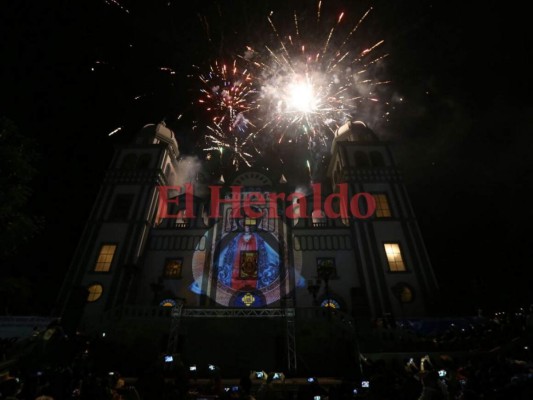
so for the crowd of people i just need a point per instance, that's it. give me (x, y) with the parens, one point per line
(498, 365)
(493, 375)
(479, 333)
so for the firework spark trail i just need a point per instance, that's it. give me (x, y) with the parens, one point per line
(279, 38)
(117, 4)
(167, 69)
(374, 61)
(115, 131)
(205, 24)
(296, 24)
(355, 28)
(352, 32)
(366, 51)
(331, 33)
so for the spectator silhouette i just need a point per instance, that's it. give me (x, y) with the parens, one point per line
(266, 391)
(245, 388)
(431, 387)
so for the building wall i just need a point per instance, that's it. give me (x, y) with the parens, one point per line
(363, 285)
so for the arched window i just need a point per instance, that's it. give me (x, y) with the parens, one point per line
(319, 218)
(361, 159)
(181, 219)
(167, 303)
(95, 292)
(403, 292)
(144, 161)
(129, 161)
(406, 295)
(330, 303)
(377, 159)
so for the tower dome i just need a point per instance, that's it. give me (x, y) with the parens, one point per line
(356, 131)
(157, 133)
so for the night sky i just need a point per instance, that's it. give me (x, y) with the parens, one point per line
(462, 134)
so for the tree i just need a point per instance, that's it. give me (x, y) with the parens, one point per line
(18, 155)
(15, 295)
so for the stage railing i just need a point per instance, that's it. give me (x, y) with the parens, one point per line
(158, 312)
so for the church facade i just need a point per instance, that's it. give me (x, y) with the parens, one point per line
(135, 262)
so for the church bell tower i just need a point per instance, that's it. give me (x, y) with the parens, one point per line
(394, 271)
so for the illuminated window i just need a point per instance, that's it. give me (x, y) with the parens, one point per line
(394, 257)
(167, 303)
(107, 251)
(95, 292)
(173, 268)
(249, 221)
(382, 206)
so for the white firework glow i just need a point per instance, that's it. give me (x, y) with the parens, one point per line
(301, 97)
(311, 87)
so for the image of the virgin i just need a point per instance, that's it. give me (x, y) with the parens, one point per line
(216, 280)
(246, 259)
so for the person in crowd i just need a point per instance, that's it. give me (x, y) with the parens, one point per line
(215, 386)
(432, 388)
(266, 390)
(10, 388)
(245, 388)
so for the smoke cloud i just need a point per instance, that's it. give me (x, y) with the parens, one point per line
(188, 169)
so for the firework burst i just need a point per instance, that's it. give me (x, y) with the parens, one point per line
(241, 151)
(309, 87)
(227, 97)
(307, 78)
